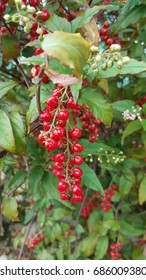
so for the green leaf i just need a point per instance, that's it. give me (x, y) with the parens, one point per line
(87, 16)
(93, 148)
(111, 224)
(90, 179)
(60, 213)
(129, 17)
(35, 59)
(132, 67)
(6, 86)
(129, 230)
(71, 50)
(19, 133)
(10, 47)
(131, 127)
(56, 23)
(97, 103)
(82, 2)
(18, 178)
(9, 208)
(123, 105)
(35, 178)
(143, 123)
(75, 90)
(7, 141)
(127, 180)
(102, 247)
(142, 191)
(89, 244)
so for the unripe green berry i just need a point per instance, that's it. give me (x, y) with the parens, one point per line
(94, 49)
(18, 2)
(31, 10)
(24, 7)
(109, 64)
(120, 64)
(115, 48)
(98, 58)
(7, 17)
(104, 66)
(125, 59)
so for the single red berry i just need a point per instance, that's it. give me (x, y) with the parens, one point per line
(58, 133)
(52, 102)
(75, 133)
(60, 157)
(78, 160)
(64, 196)
(63, 114)
(34, 3)
(46, 116)
(2, 7)
(109, 41)
(45, 14)
(76, 198)
(77, 190)
(46, 126)
(77, 147)
(34, 71)
(103, 31)
(77, 172)
(92, 127)
(58, 166)
(45, 79)
(56, 92)
(62, 186)
(106, 24)
(4, 1)
(41, 139)
(92, 138)
(51, 145)
(38, 51)
(71, 104)
(61, 123)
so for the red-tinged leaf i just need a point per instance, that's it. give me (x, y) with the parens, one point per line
(10, 47)
(58, 78)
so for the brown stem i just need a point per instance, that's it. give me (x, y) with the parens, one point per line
(26, 236)
(77, 221)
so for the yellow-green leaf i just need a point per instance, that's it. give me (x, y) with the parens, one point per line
(9, 208)
(6, 86)
(19, 132)
(7, 141)
(71, 50)
(142, 191)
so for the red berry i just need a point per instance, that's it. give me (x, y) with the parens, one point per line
(77, 190)
(58, 133)
(77, 172)
(92, 138)
(60, 157)
(109, 41)
(63, 114)
(41, 139)
(78, 160)
(45, 79)
(38, 51)
(103, 31)
(52, 102)
(56, 92)
(2, 7)
(62, 186)
(34, 3)
(46, 126)
(76, 198)
(106, 24)
(46, 116)
(45, 14)
(77, 147)
(34, 71)
(75, 133)
(71, 104)
(58, 166)
(64, 196)
(51, 145)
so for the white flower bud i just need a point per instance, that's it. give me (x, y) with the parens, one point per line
(39, 30)
(26, 19)
(94, 49)
(115, 48)
(125, 59)
(7, 17)
(18, 2)
(23, 7)
(98, 58)
(38, 14)
(31, 10)
(120, 64)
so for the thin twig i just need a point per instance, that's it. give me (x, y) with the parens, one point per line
(77, 221)
(38, 102)
(26, 236)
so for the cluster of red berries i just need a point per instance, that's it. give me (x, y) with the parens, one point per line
(140, 243)
(36, 71)
(106, 200)
(141, 101)
(105, 35)
(90, 203)
(34, 242)
(114, 251)
(57, 134)
(3, 4)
